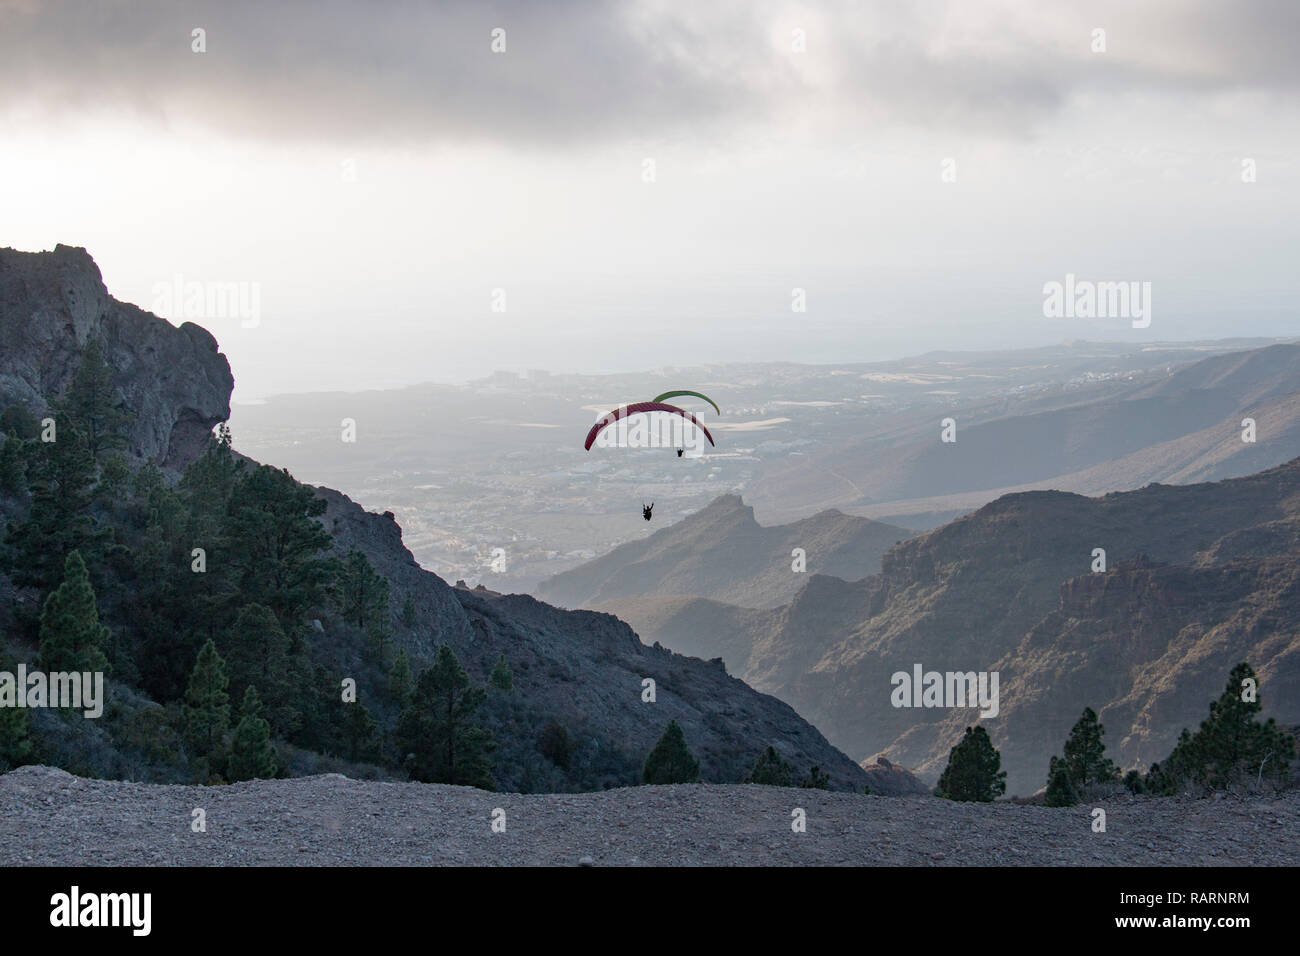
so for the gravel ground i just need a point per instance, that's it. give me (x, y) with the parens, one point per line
(48, 817)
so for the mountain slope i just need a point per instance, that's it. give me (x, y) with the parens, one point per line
(722, 553)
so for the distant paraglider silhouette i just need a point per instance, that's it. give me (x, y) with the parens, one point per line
(646, 510)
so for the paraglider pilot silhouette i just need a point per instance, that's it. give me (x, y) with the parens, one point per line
(646, 510)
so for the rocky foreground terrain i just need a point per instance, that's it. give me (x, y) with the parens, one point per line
(48, 817)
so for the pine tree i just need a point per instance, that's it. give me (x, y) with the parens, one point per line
(409, 617)
(360, 733)
(1134, 783)
(113, 476)
(671, 761)
(210, 479)
(61, 479)
(1232, 745)
(207, 706)
(974, 769)
(1060, 786)
(251, 755)
(15, 745)
(91, 403)
(555, 745)
(72, 639)
(256, 651)
(436, 730)
(1183, 765)
(362, 594)
(13, 467)
(175, 608)
(19, 420)
(148, 478)
(771, 770)
(379, 645)
(400, 682)
(501, 678)
(816, 780)
(1085, 753)
(274, 544)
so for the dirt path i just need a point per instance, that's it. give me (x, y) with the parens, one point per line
(48, 817)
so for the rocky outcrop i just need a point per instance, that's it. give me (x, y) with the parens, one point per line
(890, 780)
(175, 381)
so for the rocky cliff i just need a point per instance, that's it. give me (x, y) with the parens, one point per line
(174, 381)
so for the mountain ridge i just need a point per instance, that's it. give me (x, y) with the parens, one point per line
(722, 552)
(1007, 588)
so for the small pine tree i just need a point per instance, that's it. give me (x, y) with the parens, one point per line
(1085, 753)
(436, 730)
(771, 770)
(1231, 745)
(114, 474)
(816, 780)
(409, 617)
(501, 678)
(1234, 745)
(251, 755)
(362, 593)
(379, 645)
(400, 681)
(13, 467)
(72, 639)
(974, 769)
(91, 402)
(256, 650)
(671, 761)
(1181, 767)
(274, 543)
(1134, 782)
(61, 479)
(1060, 787)
(15, 745)
(360, 733)
(207, 706)
(19, 420)
(555, 745)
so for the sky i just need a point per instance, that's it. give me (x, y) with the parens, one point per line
(352, 195)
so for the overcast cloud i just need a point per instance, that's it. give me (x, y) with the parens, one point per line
(575, 71)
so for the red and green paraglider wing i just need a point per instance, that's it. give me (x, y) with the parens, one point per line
(675, 394)
(638, 408)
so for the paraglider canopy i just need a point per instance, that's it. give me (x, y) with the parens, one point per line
(667, 395)
(641, 408)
